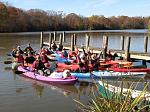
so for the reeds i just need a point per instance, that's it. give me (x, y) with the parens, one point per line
(115, 100)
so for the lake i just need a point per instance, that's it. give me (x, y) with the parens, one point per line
(19, 94)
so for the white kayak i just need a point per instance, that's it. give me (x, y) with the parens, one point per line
(134, 93)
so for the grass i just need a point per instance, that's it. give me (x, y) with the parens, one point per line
(114, 101)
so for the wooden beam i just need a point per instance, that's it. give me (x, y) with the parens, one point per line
(63, 36)
(145, 44)
(72, 42)
(50, 40)
(122, 43)
(41, 40)
(75, 39)
(54, 36)
(87, 41)
(127, 54)
(60, 39)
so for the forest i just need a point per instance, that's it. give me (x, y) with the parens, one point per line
(13, 19)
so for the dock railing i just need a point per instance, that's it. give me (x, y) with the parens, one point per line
(125, 41)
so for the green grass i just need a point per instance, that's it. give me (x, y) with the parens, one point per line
(106, 101)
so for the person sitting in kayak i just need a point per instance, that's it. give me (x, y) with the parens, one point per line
(73, 56)
(29, 58)
(64, 54)
(54, 46)
(109, 55)
(83, 64)
(43, 50)
(28, 49)
(40, 67)
(60, 47)
(76, 50)
(19, 58)
(19, 49)
(13, 53)
(66, 73)
(104, 51)
(44, 57)
(95, 62)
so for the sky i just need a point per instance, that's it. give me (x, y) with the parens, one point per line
(88, 8)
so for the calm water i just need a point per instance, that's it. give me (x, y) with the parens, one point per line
(19, 94)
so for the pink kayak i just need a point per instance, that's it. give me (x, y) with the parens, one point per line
(47, 79)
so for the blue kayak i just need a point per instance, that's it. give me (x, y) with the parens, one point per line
(105, 74)
(58, 58)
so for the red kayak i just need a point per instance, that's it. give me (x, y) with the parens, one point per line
(64, 66)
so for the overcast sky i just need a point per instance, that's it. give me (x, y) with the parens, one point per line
(88, 7)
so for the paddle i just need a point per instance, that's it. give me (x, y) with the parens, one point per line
(19, 72)
(8, 62)
(9, 54)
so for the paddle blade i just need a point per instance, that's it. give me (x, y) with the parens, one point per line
(9, 54)
(18, 72)
(7, 62)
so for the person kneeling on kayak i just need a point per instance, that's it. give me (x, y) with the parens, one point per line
(66, 74)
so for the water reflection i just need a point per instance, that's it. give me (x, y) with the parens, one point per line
(39, 87)
(8, 68)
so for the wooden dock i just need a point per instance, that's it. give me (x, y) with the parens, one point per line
(123, 51)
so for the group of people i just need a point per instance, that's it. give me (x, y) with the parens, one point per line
(28, 57)
(86, 59)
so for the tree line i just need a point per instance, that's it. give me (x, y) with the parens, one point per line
(13, 19)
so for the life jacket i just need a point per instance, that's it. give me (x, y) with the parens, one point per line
(44, 59)
(19, 59)
(64, 54)
(38, 65)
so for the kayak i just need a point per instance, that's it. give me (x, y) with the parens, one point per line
(116, 89)
(107, 74)
(104, 74)
(71, 67)
(47, 79)
(58, 58)
(130, 70)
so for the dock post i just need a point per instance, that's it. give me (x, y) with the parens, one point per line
(50, 40)
(87, 41)
(105, 40)
(41, 41)
(75, 39)
(127, 54)
(144, 62)
(145, 44)
(60, 39)
(54, 38)
(64, 39)
(72, 42)
(122, 43)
